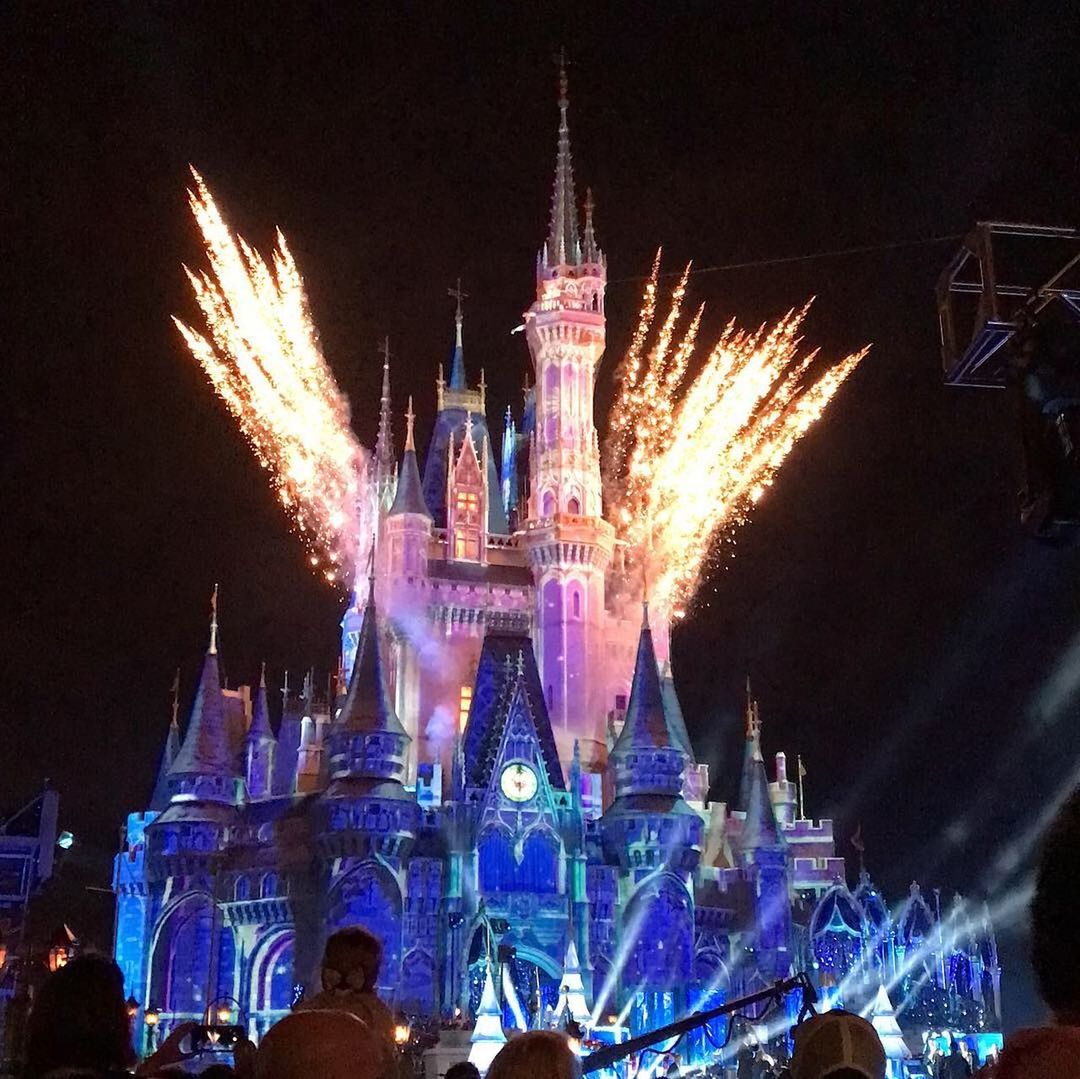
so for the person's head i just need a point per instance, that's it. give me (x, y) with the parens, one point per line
(352, 960)
(537, 1054)
(319, 1045)
(837, 1045)
(463, 1069)
(954, 1047)
(80, 1020)
(1055, 929)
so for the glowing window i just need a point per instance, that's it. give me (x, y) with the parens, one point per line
(467, 507)
(464, 704)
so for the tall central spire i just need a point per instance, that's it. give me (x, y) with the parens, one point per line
(457, 369)
(384, 441)
(563, 246)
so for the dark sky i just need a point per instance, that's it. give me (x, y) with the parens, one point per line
(901, 632)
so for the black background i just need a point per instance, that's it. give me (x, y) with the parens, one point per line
(900, 631)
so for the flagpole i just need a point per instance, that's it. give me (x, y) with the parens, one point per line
(801, 771)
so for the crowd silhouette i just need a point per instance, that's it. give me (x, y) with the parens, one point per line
(80, 1023)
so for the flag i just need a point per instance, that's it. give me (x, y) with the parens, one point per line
(857, 840)
(802, 768)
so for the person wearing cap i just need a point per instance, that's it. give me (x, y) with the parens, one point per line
(1053, 1049)
(837, 1045)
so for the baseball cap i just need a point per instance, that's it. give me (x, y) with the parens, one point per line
(826, 1044)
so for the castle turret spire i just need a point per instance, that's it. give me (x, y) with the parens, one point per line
(203, 769)
(457, 370)
(384, 441)
(261, 745)
(160, 798)
(646, 755)
(410, 492)
(563, 246)
(367, 739)
(590, 251)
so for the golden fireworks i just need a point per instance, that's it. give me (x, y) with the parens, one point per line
(262, 356)
(686, 457)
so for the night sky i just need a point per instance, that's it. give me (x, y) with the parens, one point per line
(900, 630)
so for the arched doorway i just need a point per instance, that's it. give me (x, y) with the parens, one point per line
(273, 981)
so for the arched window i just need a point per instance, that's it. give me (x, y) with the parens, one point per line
(269, 886)
(496, 861)
(575, 602)
(242, 889)
(573, 507)
(273, 976)
(548, 508)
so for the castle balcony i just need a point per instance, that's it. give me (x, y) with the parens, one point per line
(566, 538)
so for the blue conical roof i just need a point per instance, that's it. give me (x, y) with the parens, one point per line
(205, 750)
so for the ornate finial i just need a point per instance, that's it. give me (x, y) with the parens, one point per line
(410, 418)
(212, 650)
(384, 351)
(285, 691)
(262, 675)
(521, 663)
(589, 249)
(468, 428)
(645, 613)
(459, 296)
(562, 243)
(176, 697)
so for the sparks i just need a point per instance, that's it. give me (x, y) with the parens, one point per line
(261, 353)
(686, 457)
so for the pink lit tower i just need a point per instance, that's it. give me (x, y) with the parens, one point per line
(568, 543)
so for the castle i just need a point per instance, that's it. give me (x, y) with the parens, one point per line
(502, 783)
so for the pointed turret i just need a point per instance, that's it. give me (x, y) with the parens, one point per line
(882, 1016)
(572, 1000)
(752, 751)
(367, 739)
(203, 768)
(590, 251)
(563, 247)
(261, 745)
(487, 1036)
(410, 494)
(760, 830)
(160, 798)
(646, 755)
(383, 464)
(457, 367)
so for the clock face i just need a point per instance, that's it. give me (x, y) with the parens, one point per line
(518, 782)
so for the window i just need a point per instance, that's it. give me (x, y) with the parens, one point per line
(573, 507)
(467, 507)
(464, 704)
(577, 603)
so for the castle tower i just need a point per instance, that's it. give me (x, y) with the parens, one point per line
(406, 536)
(260, 746)
(203, 770)
(568, 542)
(762, 854)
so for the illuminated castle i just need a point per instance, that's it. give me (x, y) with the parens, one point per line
(503, 780)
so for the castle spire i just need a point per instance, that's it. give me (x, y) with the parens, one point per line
(647, 756)
(457, 370)
(212, 650)
(160, 798)
(752, 757)
(410, 492)
(562, 244)
(203, 768)
(590, 252)
(367, 739)
(384, 442)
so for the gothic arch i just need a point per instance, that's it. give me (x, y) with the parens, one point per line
(180, 954)
(662, 912)
(272, 978)
(369, 896)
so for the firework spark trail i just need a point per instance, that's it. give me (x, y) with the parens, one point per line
(688, 456)
(261, 353)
